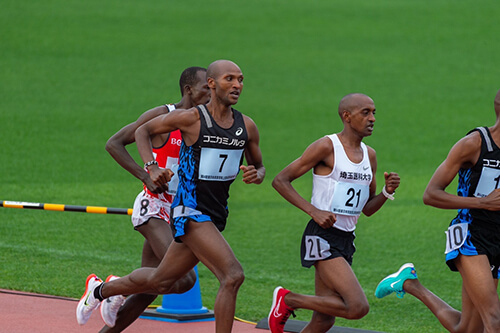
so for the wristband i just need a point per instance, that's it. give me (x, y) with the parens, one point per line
(387, 195)
(150, 163)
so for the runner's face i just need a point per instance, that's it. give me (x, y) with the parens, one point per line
(229, 85)
(201, 92)
(363, 116)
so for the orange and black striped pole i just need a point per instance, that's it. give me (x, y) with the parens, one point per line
(66, 208)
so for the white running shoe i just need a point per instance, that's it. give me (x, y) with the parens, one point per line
(88, 302)
(111, 305)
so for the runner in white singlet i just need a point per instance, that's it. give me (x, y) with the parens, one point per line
(343, 188)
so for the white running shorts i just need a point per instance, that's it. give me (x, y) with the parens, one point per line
(146, 207)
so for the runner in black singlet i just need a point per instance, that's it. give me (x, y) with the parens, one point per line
(208, 167)
(201, 241)
(473, 238)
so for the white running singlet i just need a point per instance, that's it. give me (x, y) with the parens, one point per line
(346, 189)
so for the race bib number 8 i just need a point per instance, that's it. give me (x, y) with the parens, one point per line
(349, 198)
(219, 164)
(456, 236)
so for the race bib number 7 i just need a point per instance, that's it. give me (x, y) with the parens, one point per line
(219, 164)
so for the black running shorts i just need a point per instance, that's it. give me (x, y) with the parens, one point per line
(323, 244)
(482, 238)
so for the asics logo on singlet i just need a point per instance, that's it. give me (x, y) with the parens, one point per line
(223, 141)
(239, 131)
(491, 163)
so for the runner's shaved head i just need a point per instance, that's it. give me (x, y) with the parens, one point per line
(349, 102)
(221, 66)
(497, 103)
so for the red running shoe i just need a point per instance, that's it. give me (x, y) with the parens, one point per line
(280, 312)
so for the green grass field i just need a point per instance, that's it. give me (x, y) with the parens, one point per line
(72, 73)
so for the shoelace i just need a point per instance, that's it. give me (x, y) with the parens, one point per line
(91, 307)
(117, 303)
(400, 293)
(287, 315)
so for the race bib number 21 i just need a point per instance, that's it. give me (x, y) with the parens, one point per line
(316, 248)
(349, 198)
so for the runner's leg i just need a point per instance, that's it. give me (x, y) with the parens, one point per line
(208, 244)
(481, 289)
(157, 233)
(346, 298)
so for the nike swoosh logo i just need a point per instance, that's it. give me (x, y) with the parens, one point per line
(86, 299)
(366, 168)
(276, 313)
(392, 284)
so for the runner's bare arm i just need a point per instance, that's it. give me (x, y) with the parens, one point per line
(463, 154)
(115, 146)
(185, 120)
(317, 153)
(392, 181)
(254, 172)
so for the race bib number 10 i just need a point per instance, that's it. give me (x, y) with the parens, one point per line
(456, 236)
(219, 164)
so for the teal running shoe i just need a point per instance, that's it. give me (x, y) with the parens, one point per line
(394, 282)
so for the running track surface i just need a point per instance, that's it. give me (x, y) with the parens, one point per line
(22, 312)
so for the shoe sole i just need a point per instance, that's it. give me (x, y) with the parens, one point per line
(111, 277)
(402, 268)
